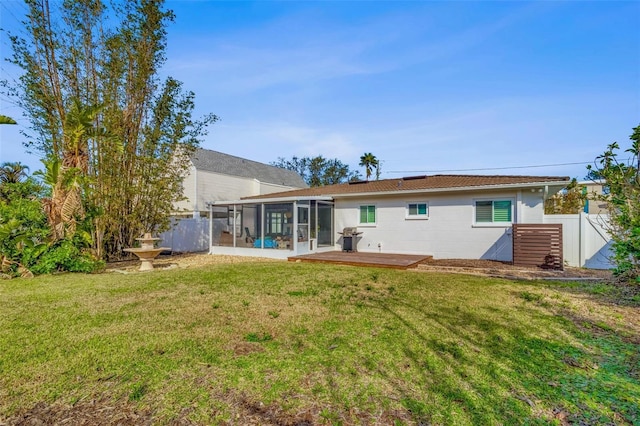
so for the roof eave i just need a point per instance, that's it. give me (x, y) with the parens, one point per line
(559, 184)
(272, 200)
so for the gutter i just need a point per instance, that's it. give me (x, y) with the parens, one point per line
(274, 199)
(559, 184)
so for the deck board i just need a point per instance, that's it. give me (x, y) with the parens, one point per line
(381, 260)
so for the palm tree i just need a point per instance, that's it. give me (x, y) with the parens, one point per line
(65, 175)
(369, 162)
(12, 172)
(7, 120)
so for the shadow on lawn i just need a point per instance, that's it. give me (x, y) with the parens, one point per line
(509, 371)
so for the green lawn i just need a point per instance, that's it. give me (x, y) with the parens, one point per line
(323, 343)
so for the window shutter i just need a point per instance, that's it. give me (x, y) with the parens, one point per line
(484, 211)
(502, 211)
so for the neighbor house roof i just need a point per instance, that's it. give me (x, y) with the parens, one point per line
(217, 162)
(435, 183)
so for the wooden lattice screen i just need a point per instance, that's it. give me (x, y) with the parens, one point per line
(538, 245)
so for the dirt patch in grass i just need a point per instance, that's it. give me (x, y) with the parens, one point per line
(93, 412)
(185, 260)
(474, 266)
(242, 411)
(246, 348)
(508, 270)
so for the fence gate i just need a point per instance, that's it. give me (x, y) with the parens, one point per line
(538, 245)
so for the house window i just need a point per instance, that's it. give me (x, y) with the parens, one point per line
(367, 214)
(274, 222)
(417, 211)
(496, 211)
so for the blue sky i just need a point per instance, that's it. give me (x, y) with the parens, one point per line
(427, 87)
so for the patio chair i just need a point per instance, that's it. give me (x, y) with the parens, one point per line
(248, 238)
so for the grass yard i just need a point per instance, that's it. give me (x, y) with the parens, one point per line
(296, 343)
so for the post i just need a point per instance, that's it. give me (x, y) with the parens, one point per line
(210, 227)
(233, 225)
(582, 229)
(294, 236)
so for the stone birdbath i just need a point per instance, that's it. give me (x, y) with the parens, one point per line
(147, 251)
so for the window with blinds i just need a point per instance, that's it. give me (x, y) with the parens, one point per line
(497, 211)
(367, 214)
(417, 210)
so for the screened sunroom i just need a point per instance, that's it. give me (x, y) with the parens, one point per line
(277, 227)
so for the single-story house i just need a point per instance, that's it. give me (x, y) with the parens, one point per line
(216, 176)
(446, 216)
(592, 189)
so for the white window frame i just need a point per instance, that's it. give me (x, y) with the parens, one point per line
(417, 216)
(495, 224)
(375, 207)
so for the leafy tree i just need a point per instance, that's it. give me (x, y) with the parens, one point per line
(623, 199)
(318, 171)
(570, 200)
(119, 135)
(370, 162)
(336, 171)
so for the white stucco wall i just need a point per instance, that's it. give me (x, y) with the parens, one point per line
(449, 232)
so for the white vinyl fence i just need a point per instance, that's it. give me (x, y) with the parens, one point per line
(585, 239)
(187, 235)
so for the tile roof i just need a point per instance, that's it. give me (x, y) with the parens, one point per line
(217, 162)
(416, 183)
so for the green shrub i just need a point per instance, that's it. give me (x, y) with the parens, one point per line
(25, 237)
(65, 256)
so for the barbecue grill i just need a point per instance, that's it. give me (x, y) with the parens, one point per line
(349, 238)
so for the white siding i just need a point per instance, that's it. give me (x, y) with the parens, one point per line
(215, 187)
(188, 190)
(270, 188)
(449, 232)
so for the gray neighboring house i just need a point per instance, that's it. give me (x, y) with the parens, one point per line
(215, 176)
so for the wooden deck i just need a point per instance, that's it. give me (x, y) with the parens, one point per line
(380, 260)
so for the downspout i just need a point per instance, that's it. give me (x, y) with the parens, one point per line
(294, 233)
(196, 212)
(235, 225)
(210, 228)
(582, 229)
(262, 226)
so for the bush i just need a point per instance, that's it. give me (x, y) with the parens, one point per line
(65, 256)
(25, 245)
